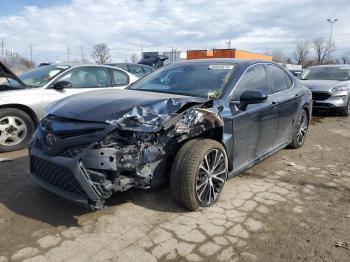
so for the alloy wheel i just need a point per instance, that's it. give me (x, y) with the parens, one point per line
(211, 177)
(303, 125)
(13, 130)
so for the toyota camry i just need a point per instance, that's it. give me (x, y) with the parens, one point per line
(195, 123)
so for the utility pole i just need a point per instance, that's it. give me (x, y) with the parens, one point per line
(82, 54)
(2, 47)
(68, 54)
(330, 36)
(229, 43)
(31, 53)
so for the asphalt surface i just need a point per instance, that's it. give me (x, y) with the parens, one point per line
(294, 206)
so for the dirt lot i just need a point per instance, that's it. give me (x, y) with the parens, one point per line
(294, 206)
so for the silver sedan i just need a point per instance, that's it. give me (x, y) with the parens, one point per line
(24, 98)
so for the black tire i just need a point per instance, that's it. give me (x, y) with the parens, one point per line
(345, 111)
(185, 172)
(296, 142)
(22, 118)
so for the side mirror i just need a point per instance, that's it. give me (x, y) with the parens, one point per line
(253, 97)
(60, 85)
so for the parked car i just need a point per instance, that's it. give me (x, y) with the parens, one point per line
(153, 59)
(135, 69)
(23, 98)
(330, 87)
(296, 72)
(205, 120)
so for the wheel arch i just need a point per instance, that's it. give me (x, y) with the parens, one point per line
(308, 110)
(25, 109)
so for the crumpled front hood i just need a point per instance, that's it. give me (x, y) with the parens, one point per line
(321, 85)
(126, 109)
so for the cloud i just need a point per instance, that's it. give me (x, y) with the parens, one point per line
(255, 25)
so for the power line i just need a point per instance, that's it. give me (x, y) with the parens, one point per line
(2, 47)
(229, 43)
(68, 53)
(31, 53)
(82, 54)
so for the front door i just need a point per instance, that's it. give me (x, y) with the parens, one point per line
(86, 78)
(254, 127)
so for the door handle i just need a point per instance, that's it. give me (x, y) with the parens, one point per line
(274, 103)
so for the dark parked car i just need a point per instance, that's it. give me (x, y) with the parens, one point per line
(153, 59)
(330, 87)
(205, 120)
(135, 69)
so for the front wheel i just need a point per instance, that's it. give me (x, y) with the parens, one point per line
(16, 128)
(199, 173)
(345, 111)
(300, 130)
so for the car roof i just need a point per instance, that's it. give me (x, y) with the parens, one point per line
(244, 62)
(332, 65)
(114, 64)
(73, 65)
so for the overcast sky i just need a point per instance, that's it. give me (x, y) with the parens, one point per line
(52, 26)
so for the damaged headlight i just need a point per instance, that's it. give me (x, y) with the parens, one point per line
(185, 123)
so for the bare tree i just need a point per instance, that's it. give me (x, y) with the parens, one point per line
(101, 53)
(345, 58)
(26, 62)
(279, 57)
(134, 58)
(301, 53)
(321, 48)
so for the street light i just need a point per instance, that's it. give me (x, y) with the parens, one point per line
(330, 37)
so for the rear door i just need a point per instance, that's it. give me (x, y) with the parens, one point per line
(255, 127)
(286, 97)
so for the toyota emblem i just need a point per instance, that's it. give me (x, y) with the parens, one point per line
(50, 139)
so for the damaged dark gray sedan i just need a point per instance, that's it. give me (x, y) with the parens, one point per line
(195, 123)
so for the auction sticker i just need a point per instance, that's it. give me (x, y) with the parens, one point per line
(221, 67)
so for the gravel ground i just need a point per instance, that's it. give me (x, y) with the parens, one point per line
(294, 206)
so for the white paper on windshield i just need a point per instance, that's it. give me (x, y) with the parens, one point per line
(345, 67)
(221, 67)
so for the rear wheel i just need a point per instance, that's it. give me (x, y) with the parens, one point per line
(16, 128)
(300, 130)
(345, 111)
(198, 174)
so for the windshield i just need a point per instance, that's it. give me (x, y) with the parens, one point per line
(36, 77)
(201, 80)
(327, 73)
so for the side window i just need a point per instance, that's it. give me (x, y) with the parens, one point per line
(278, 79)
(87, 77)
(120, 78)
(136, 69)
(289, 81)
(147, 70)
(123, 66)
(253, 79)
